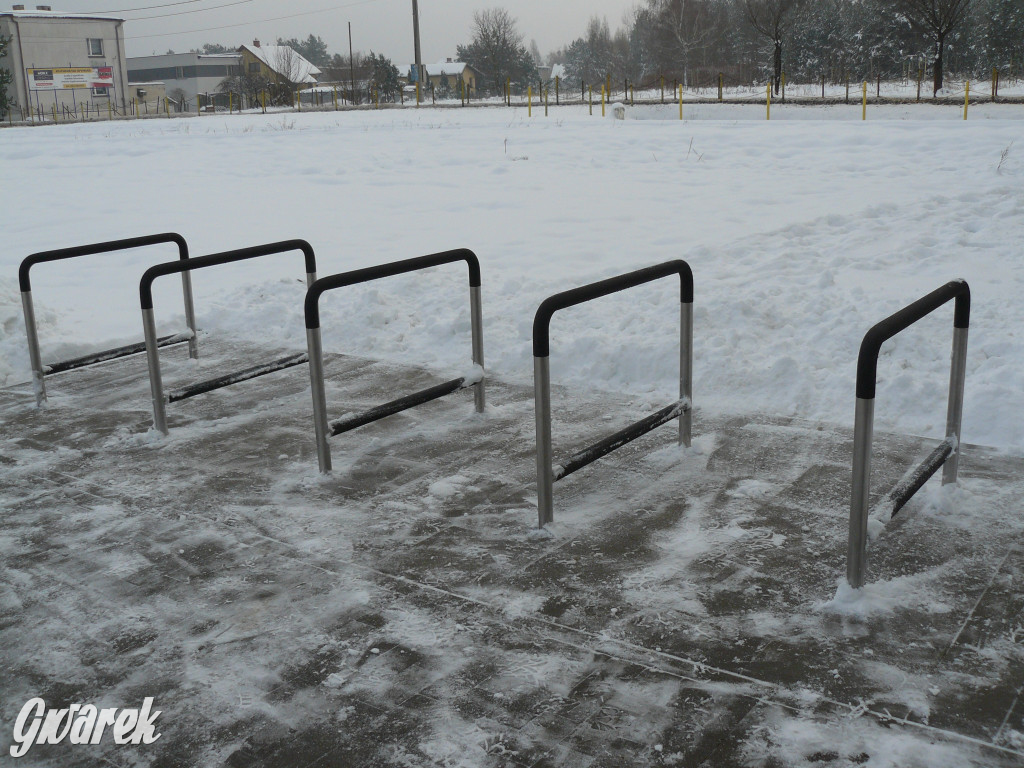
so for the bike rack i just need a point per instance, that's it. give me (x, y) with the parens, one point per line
(316, 355)
(149, 323)
(35, 356)
(947, 455)
(547, 475)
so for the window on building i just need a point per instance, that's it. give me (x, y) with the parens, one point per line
(95, 46)
(103, 93)
(254, 67)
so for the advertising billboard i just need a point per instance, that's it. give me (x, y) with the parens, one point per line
(67, 78)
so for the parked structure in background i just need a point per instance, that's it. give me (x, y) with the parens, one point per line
(64, 60)
(184, 74)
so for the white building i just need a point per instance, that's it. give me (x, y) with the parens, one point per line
(187, 73)
(64, 59)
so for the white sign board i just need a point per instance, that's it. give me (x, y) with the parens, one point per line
(60, 79)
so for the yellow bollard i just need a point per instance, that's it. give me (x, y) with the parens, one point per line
(864, 103)
(967, 97)
(768, 113)
(680, 102)
(529, 101)
(602, 101)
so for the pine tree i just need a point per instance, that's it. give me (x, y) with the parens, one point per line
(6, 78)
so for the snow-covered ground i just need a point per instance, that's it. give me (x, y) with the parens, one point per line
(802, 232)
(129, 561)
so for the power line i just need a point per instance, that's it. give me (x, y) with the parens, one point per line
(182, 13)
(148, 7)
(254, 21)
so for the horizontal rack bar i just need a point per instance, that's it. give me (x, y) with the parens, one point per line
(623, 437)
(339, 426)
(113, 354)
(914, 482)
(234, 378)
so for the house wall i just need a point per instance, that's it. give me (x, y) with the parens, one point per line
(192, 73)
(52, 42)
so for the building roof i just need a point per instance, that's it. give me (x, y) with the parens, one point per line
(446, 68)
(304, 71)
(59, 15)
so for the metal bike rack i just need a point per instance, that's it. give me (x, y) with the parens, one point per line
(947, 455)
(547, 474)
(149, 323)
(316, 355)
(35, 356)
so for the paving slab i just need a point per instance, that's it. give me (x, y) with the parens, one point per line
(404, 611)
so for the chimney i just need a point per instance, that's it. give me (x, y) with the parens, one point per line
(256, 43)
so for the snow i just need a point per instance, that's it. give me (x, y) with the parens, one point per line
(802, 233)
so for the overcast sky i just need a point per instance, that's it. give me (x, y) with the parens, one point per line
(384, 26)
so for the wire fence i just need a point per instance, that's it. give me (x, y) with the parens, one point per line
(542, 95)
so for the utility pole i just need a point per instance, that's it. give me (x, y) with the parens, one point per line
(351, 66)
(416, 41)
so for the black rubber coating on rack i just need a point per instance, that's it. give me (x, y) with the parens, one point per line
(234, 378)
(867, 362)
(87, 250)
(357, 276)
(542, 320)
(903, 492)
(397, 406)
(113, 354)
(589, 455)
(215, 259)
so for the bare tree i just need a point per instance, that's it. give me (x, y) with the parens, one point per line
(686, 26)
(497, 49)
(771, 19)
(937, 19)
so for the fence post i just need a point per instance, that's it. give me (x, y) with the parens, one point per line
(995, 83)
(967, 97)
(920, 77)
(680, 102)
(508, 90)
(602, 101)
(591, 99)
(662, 89)
(847, 74)
(878, 90)
(545, 102)
(768, 102)
(720, 86)
(557, 79)
(864, 103)
(823, 86)
(529, 101)
(783, 87)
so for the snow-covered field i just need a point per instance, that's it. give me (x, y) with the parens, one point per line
(801, 235)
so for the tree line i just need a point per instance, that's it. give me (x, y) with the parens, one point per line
(692, 41)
